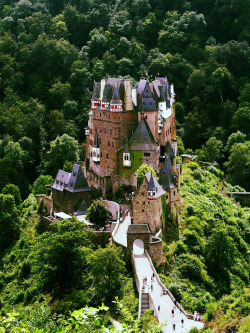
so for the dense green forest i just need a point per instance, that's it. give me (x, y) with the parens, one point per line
(52, 51)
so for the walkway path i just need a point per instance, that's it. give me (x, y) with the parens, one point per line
(120, 236)
(144, 269)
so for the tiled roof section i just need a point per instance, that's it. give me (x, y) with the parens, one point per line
(167, 176)
(164, 94)
(162, 88)
(61, 180)
(140, 89)
(82, 209)
(96, 90)
(107, 94)
(77, 181)
(153, 185)
(142, 139)
(138, 229)
(96, 141)
(147, 102)
(169, 149)
(116, 97)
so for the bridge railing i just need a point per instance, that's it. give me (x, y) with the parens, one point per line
(178, 305)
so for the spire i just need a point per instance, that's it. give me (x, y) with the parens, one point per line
(167, 176)
(142, 139)
(151, 185)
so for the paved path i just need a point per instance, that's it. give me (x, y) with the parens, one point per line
(144, 269)
(121, 235)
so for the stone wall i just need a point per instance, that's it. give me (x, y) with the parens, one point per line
(156, 250)
(132, 237)
(47, 201)
(147, 210)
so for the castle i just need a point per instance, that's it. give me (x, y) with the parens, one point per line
(129, 127)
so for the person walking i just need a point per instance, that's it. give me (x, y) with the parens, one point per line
(174, 324)
(173, 312)
(182, 322)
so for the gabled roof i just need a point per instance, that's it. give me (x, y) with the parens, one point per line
(167, 175)
(77, 181)
(96, 141)
(96, 91)
(72, 182)
(61, 180)
(142, 138)
(82, 208)
(153, 185)
(116, 96)
(169, 149)
(107, 94)
(147, 102)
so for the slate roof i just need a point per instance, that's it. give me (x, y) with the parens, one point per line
(138, 229)
(72, 182)
(107, 93)
(167, 176)
(82, 209)
(116, 96)
(142, 138)
(154, 185)
(169, 149)
(96, 90)
(147, 102)
(61, 181)
(96, 141)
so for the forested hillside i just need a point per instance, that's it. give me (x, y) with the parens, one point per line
(52, 51)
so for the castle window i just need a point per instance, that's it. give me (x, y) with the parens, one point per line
(107, 156)
(137, 202)
(100, 115)
(149, 202)
(113, 144)
(101, 154)
(100, 130)
(142, 210)
(110, 131)
(143, 202)
(174, 192)
(150, 103)
(91, 154)
(146, 154)
(166, 196)
(146, 117)
(100, 141)
(105, 131)
(108, 143)
(170, 129)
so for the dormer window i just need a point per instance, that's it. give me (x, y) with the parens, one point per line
(126, 160)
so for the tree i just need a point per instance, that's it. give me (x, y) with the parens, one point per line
(9, 221)
(63, 148)
(142, 171)
(234, 138)
(98, 214)
(220, 253)
(241, 119)
(238, 165)
(212, 150)
(14, 191)
(106, 269)
(61, 257)
(39, 186)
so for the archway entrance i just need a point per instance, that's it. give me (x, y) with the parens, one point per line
(138, 247)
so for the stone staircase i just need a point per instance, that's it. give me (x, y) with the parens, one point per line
(144, 303)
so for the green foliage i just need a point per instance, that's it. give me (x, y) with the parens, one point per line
(9, 221)
(142, 171)
(39, 186)
(98, 214)
(107, 267)
(14, 191)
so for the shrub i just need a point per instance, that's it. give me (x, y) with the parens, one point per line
(197, 174)
(193, 165)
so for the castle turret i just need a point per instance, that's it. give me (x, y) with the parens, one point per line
(151, 188)
(126, 157)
